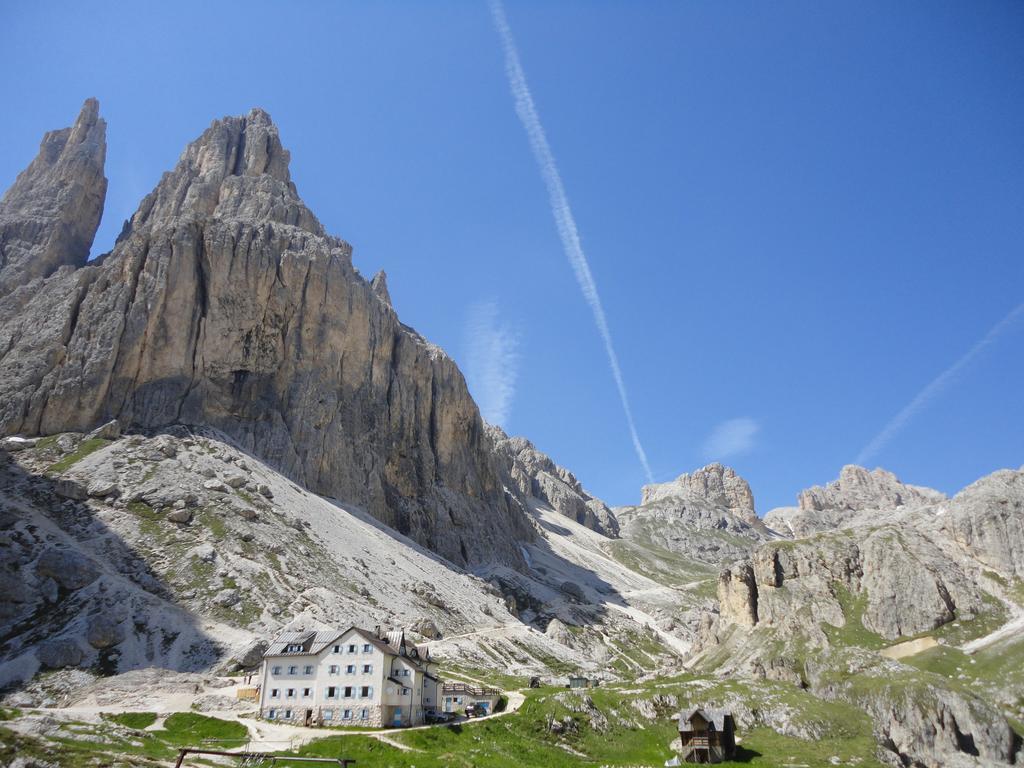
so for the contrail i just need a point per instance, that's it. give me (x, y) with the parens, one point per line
(567, 231)
(935, 388)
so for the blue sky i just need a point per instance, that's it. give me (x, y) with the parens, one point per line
(797, 214)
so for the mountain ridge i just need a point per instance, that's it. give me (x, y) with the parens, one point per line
(220, 429)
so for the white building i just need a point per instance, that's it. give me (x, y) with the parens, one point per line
(355, 677)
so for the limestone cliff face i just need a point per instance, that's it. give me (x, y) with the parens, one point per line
(907, 583)
(533, 474)
(48, 218)
(224, 303)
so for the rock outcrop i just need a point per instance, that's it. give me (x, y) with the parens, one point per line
(857, 495)
(986, 519)
(48, 218)
(707, 516)
(908, 584)
(716, 484)
(533, 474)
(225, 304)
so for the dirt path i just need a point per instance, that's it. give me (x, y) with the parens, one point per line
(264, 735)
(277, 736)
(1012, 627)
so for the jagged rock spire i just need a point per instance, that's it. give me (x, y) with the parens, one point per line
(236, 169)
(379, 284)
(49, 216)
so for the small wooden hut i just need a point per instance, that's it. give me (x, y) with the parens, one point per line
(707, 736)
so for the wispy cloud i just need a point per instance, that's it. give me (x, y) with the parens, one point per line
(566, 224)
(731, 438)
(936, 387)
(492, 361)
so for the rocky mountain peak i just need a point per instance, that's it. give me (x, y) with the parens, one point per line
(689, 515)
(858, 488)
(714, 483)
(857, 496)
(49, 216)
(237, 169)
(224, 304)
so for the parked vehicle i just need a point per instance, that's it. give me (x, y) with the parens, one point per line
(476, 710)
(433, 717)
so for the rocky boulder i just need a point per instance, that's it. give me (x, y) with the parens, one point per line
(104, 632)
(57, 654)
(70, 569)
(558, 632)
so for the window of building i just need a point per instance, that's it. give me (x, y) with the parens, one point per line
(366, 647)
(307, 692)
(405, 673)
(352, 648)
(275, 693)
(405, 691)
(287, 714)
(346, 715)
(308, 669)
(350, 669)
(328, 714)
(364, 714)
(293, 648)
(366, 691)
(290, 693)
(271, 714)
(367, 668)
(337, 649)
(275, 670)
(348, 691)
(293, 670)
(333, 669)
(332, 693)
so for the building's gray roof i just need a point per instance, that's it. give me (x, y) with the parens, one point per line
(312, 642)
(714, 716)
